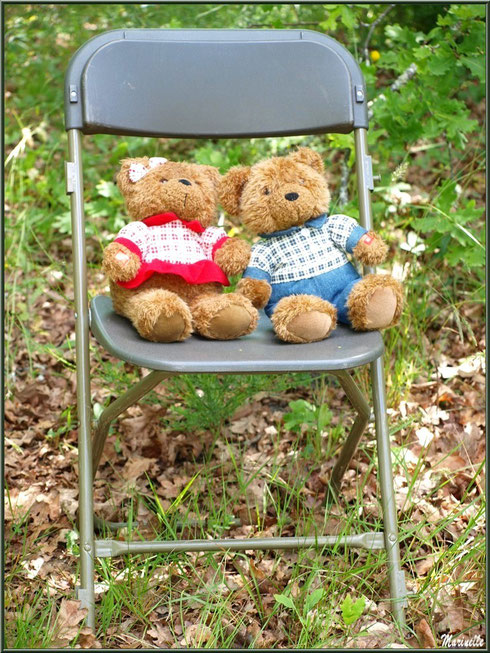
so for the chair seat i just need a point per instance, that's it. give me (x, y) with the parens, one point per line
(261, 351)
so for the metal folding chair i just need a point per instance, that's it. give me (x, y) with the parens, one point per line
(218, 84)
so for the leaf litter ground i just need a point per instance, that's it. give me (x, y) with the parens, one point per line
(438, 454)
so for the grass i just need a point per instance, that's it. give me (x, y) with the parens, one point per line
(227, 600)
(228, 596)
(219, 593)
(171, 588)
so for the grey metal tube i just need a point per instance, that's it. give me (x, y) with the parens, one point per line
(117, 407)
(359, 402)
(362, 172)
(111, 548)
(84, 408)
(385, 477)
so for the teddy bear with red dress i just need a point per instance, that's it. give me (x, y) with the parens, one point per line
(169, 267)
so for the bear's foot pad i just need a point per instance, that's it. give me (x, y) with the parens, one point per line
(381, 308)
(169, 329)
(231, 322)
(310, 326)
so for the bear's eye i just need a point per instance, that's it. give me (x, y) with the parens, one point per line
(163, 180)
(266, 191)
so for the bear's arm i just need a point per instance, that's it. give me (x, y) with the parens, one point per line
(233, 256)
(366, 246)
(256, 279)
(122, 259)
(371, 249)
(120, 263)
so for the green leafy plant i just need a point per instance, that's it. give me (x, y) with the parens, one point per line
(306, 418)
(206, 401)
(309, 603)
(352, 610)
(303, 414)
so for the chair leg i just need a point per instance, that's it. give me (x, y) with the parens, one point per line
(349, 447)
(103, 424)
(396, 575)
(113, 410)
(85, 591)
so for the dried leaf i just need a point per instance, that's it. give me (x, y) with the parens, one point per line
(424, 633)
(87, 639)
(135, 467)
(161, 635)
(196, 635)
(67, 627)
(424, 565)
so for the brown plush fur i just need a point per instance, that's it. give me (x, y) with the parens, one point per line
(164, 307)
(231, 187)
(261, 191)
(159, 315)
(119, 263)
(256, 290)
(160, 191)
(372, 252)
(361, 299)
(257, 195)
(225, 317)
(233, 256)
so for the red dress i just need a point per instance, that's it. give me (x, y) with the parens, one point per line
(166, 244)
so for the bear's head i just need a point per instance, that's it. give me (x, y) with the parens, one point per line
(278, 193)
(155, 185)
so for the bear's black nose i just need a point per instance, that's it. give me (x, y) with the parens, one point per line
(186, 182)
(291, 196)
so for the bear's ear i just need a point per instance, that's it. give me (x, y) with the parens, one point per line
(231, 188)
(308, 157)
(213, 174)
(131, 170)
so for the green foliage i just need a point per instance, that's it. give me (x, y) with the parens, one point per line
(306, 418)
(449, 237)
(206, 401)
(352, 610)
(304, 414)
(310, 602)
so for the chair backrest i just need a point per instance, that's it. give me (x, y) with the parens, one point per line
(199, 83)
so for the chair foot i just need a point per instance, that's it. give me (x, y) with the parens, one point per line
(87, 601)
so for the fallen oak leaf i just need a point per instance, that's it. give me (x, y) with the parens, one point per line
(67, 625)
(87, 639)
(424, 633)
(135, 467)
(161, 635)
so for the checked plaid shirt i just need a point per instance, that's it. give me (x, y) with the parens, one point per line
(297, 253)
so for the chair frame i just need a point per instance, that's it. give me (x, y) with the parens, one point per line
(90, 448)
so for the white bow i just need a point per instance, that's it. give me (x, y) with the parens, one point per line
(137, 170)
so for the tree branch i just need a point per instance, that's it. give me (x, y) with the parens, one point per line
(400, 81)
(372, 27)
(344, 179)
